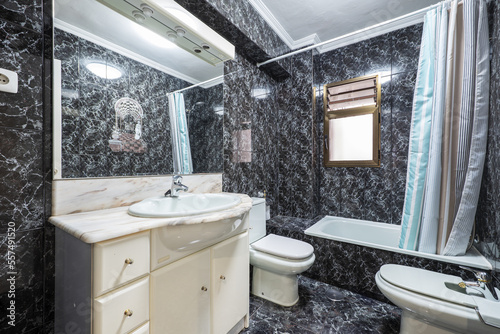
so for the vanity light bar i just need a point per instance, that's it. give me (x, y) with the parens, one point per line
(170, 20)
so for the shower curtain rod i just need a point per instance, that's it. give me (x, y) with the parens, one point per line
(196, 85)
(423, 10)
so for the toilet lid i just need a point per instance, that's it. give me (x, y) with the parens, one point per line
(425, 282)
(283, 247)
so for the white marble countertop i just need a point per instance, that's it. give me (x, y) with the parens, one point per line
(101, 225)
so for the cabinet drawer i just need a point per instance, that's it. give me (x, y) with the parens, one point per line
(144, 329)
(122, 310)
(119, 261)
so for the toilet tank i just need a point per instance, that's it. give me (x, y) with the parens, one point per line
(257, 228)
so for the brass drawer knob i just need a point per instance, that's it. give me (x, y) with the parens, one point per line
(129, 261)
(128, 313)
(204, 288)
(222, 277)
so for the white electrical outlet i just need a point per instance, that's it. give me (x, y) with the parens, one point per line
(8, 81)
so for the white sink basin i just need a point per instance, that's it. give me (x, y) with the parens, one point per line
(184, 205)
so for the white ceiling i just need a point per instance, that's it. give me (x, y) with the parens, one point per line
(297, 22)
(302, 22)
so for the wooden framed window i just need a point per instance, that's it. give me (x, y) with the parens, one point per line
(352, 122)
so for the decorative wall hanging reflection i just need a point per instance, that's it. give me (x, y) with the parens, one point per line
(127, 132)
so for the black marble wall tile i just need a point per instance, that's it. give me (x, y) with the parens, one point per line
(369, 261)
(246, 18)
(398, 179)
(296, 197)
(21, 52)
(402, 102)
(330, 193)
(240, 24)
(49, 276)
(27, 289)
(22, 178)
(406, 48)
(250, 132)
(26, 14)
(378, 193)
(378, 55)
(205, 114)
(66, 47)
(48, 231)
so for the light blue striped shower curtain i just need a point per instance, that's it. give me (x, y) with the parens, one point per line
(181, 148)
(439, 64)
(418, 154)
(430, 209)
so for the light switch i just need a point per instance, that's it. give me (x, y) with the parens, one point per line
(8, 81)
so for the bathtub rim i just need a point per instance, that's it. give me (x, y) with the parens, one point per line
(473, 258)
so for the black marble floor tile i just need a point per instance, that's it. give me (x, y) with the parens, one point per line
(323, 308)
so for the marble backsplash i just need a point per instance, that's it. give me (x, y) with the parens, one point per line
(81, 195)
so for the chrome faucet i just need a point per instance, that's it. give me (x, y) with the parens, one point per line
(483, 285)
(176, 187)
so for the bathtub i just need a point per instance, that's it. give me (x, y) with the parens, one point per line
(385, 237)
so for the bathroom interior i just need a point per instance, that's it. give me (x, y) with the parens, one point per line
(256, 130)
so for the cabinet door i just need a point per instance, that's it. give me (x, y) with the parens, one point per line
(230, 283)
(180, 296)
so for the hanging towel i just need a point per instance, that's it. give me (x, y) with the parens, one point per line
(181, 148)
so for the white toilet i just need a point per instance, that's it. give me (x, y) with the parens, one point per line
(434, 303)
(276, 260)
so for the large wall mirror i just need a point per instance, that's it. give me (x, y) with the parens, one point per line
(111, 79)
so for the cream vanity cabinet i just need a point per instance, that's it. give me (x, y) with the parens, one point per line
(206, 292)
(114, 286)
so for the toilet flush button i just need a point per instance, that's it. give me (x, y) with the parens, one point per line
(8, 81)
